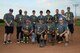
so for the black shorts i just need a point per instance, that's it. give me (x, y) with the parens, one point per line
(71, 28)
(58, 38)
(8, 29)
(19, 29)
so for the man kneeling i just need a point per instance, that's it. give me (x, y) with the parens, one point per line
(27, 30)
(62, 32)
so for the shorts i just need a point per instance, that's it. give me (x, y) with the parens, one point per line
(58, 38)
(71, 28)
(9, 29)
(51, 36)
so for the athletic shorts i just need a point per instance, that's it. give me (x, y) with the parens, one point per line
(58, 38)
(9, 29)
(50, 36)
(71, 28)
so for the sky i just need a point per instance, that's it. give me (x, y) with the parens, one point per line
(37, 5)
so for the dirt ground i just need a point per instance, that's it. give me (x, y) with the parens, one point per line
(74, 46)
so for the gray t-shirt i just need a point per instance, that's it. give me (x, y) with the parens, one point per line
(33, 19)
(9, 18)
(56, 17)
(64, 18)
(62, 28)
(26, 17)
(69, 17)
(19, 20)
(47, 17)
(50, 27)
(28, 27)
(39, 27)
(41, 18)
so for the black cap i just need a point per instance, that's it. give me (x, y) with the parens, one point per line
(47, 11)
(33, 11)
(20, 10)
(41, 11)
(11, 10)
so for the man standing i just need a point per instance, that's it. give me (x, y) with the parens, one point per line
(41, 16)
(9, 24)
(26, 17)
(50, 31)
(33, 19)
(39, 30)
(62, 32)
(19, 21)
(27, 29)
(56, 16)
(70, 20)
(63, 16)
(48, 16)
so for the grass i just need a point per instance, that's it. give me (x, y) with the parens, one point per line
(2, 24)
(77, 23)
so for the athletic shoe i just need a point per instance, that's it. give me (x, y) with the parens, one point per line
(66, 43)
(9, 41)
(21, 41)
(27, 42)
(60, 42)
(18, 41)
(41, 46)
(5, 42)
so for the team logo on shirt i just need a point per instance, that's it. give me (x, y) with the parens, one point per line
(48, 17)
(48, 27)
(20, 18)
(27, 27)
(68, 16)
(55, 18)
(34, 18)
(38, 29)
(27, 30)
(41, 16)
(57, 32)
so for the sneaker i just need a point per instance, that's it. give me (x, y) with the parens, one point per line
(59, 42)
(9, 41)
(66, 44)
(24, 42)
(41, 46)
(5, 42)
(27, 42)
(18, 41)
(21, 41)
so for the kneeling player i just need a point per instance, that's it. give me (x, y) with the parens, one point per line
(39, 29)
(62, 32)
(27, 30)
(50, 27)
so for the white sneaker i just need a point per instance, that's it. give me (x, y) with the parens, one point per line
(21, 41)
(60, 42)
(18, 41)
(66, 44)
(9, 41)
